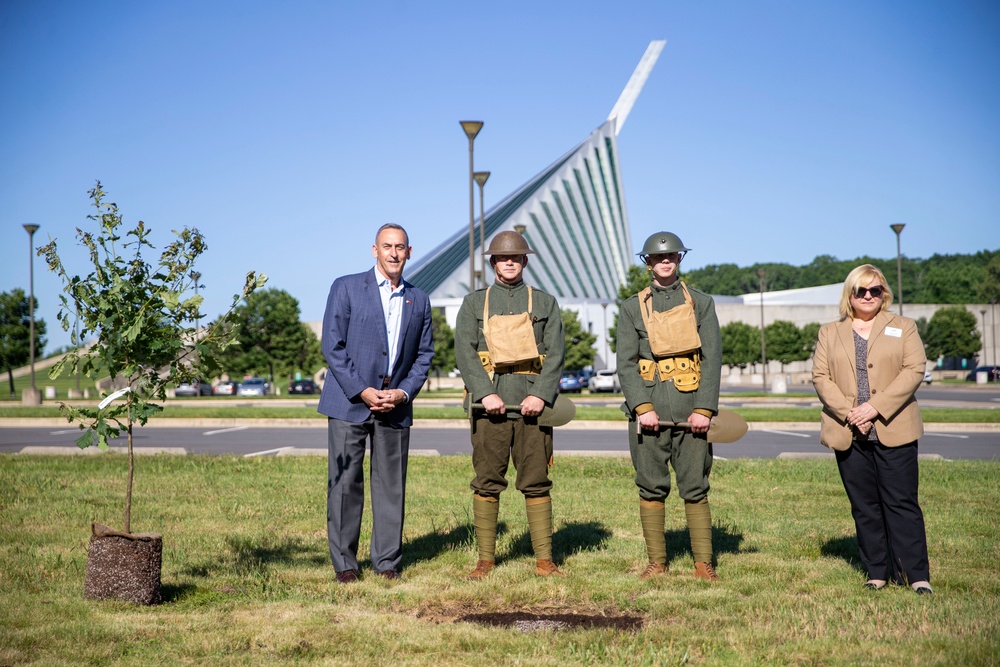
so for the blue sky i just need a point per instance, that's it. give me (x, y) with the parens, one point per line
(287, 133)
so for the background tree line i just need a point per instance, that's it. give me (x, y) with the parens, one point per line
(939, 279)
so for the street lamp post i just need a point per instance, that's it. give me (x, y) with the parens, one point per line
(471, 128)
(993, 319)
(898, 228)
(985, 362)
(31, 396)
(763, 346)
(481, 177)
(607, 362)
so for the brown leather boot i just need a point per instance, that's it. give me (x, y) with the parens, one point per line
(544, 567)
(653, 570)
(483, 568)
(705, 571)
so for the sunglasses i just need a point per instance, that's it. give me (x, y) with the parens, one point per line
(874, 290)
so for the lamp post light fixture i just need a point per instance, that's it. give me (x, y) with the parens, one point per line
(763, 346)
(32, 396)
(481, 177)
(471, 128)
(898, 228)
(520, 229)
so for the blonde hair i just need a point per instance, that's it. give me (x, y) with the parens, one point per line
(866, 275)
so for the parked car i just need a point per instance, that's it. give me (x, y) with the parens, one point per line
(193, 388)
(302, 387)
(252, 387)
(992, 374)
(606, 380)
(928, 378)
(227, 388)
(571, 382)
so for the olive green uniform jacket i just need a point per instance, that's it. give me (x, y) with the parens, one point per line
(469, 341)
(633, 344)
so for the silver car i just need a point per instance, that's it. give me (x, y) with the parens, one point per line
(252, 387)
(606, 380)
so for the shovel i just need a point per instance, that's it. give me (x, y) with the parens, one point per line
(561, 412)
(727, 426)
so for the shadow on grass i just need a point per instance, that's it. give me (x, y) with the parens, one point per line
(724, 541)
(429, 545)
(255, 555)
(571, 538)
(845, 548)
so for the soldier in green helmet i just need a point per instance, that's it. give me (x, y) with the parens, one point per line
(669, 353)
(509, 348)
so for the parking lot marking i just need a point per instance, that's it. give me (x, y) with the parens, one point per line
(947, 435)
(226, 430)
(268, 452)
(69, 430)
(797, 435)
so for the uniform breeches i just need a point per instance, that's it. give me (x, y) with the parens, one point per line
(654, 453)
(496, 440)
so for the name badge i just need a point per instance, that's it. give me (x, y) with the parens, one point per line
(893, 331)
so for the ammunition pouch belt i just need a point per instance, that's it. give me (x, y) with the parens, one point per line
(530, 367)
(683, 371)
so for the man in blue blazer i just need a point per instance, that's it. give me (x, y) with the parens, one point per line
(378, 344)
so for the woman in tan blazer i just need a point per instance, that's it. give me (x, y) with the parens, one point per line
(866, 370)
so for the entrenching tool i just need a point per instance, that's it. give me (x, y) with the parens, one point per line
(727, 426)
(561, 412)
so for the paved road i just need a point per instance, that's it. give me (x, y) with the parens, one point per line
(428, 439)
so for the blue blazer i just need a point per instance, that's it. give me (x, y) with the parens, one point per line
(356, 348)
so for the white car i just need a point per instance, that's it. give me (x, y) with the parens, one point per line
(606, 380)
(928, 378)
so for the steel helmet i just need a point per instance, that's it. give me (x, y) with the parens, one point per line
(661, 243)
(509, 243)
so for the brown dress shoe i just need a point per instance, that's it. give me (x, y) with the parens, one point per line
(348, 576)
(483, 568)
(705, 571)
(546, 568)
(653, 570)
(389, 574)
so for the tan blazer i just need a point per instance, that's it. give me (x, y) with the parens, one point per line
(896, 362)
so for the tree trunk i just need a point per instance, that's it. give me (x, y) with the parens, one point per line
(131, 471)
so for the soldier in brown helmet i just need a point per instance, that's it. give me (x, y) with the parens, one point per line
(509, 348)
(669, 363)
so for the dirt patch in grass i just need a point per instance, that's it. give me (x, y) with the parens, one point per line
(528, 621)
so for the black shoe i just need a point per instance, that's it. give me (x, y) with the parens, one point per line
(348, 576)
(389, 574)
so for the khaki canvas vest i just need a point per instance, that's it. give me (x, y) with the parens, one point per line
(674, 342)
(510, 338)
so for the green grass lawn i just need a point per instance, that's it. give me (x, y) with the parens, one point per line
(247, 579)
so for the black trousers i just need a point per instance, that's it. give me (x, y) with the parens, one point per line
(881, 483)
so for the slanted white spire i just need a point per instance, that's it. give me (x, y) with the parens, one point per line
(634, 86)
